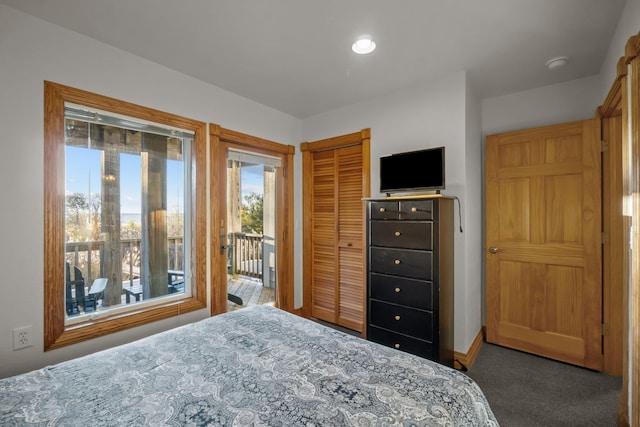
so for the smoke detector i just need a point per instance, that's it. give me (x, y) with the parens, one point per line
(557, 62)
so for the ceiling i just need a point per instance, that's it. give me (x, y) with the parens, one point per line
(295, 55)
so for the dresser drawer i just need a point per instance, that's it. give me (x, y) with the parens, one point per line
(416, 209)
(409, 321)
(401, 342)
(402, 234)
(400, 290)
(384, 210)
(401, 262)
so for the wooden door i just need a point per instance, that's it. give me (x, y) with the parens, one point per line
(336, 182)
(543, 242)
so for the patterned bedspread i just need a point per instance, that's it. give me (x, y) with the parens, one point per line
(256, 366)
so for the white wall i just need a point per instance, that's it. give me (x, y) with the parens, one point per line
(32, 51)
(431, 115)
(559, 103)
(473, 219)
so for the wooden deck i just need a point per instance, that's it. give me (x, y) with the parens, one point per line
(250, 290)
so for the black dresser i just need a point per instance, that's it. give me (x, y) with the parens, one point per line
(410, 276)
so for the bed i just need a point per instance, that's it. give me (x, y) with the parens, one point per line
(254, 366)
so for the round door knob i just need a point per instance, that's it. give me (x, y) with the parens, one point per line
(397, 290)
(396, 345)
(397, 317)
(494, 250)
(382, 209)
(414, 209)
(397, 234)
(396, 262)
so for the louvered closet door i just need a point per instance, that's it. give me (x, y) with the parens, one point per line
(338, 254)
(350, 223)
(324, 237)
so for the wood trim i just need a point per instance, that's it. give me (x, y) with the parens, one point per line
(255, 143)
(221, 140)
(56, 334)
(613, 258)
(365, 135)
(633, 47)
(612, 105)
(623, 407)
(307, 224)
(337, 141)
(217, 207)
(469, 357)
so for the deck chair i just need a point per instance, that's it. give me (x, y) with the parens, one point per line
(95, 293)
(74, 303)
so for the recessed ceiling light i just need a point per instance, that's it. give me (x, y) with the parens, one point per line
(557, 62)
(363, 45)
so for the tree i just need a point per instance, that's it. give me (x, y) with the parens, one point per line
(77, 202)
(95, 202)
(252, 213)
(76, 217)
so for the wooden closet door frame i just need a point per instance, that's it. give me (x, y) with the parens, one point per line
(221, 139)
(308, 148)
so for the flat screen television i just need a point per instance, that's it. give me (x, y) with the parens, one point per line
(414, 171)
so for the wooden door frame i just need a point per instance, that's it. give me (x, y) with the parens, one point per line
(624, 99)
(221, 139)
(633, 58)
(615, 238)
(308, 148)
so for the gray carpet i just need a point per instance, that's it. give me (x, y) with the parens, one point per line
(526, 390)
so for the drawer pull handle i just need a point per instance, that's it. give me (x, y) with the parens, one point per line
(396, 345)
(397, 317)
(397, 234)
(396, 262)
(414, 209)
(397, 290)
(382, 210)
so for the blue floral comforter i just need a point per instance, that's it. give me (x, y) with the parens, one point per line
(255, 366)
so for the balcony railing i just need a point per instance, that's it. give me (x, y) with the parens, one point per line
(87, 257)
(244, 255)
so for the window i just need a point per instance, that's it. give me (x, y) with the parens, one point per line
(125, 202)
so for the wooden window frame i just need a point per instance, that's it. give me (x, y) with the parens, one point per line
(56, 333)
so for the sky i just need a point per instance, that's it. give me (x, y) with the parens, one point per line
(84, 165)
(83, 174)
(252, 180)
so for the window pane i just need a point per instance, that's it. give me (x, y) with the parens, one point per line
(125, 217)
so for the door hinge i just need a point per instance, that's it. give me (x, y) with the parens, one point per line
(284, 236)
(605, 238)
(284, 172)
(604, 145)
(605, 330)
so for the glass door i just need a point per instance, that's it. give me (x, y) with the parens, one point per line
(250, 246)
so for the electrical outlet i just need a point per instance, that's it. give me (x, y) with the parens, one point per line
(22, 337)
